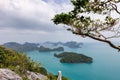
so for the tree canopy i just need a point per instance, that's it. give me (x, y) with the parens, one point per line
(80, 20)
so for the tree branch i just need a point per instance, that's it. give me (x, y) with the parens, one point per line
(106, 41)
(115, 7)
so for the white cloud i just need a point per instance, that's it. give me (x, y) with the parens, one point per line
(37, 13)
(30, 20)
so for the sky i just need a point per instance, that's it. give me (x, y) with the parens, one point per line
(30, 21)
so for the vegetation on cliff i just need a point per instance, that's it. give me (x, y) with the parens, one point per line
(17, 62)
(20, 63)
(71, 57)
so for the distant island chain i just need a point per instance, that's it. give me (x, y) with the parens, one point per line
(65, 57)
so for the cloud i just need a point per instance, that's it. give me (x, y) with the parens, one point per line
(58, 1)
(17, 22)
(29, 14)
(11, 35)
(30, 20)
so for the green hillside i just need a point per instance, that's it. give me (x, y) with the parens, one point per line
(20, 63)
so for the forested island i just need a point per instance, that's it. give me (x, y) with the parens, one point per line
(71, 57)
(70, 44)
(21, 47)
(44, 49)
(41, 46)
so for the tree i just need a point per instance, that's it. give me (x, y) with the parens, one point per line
(80, 22)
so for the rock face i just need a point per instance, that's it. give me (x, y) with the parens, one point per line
(35, 76)
(6, 74)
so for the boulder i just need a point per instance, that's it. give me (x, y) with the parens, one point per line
(6, 74)
(35, 76)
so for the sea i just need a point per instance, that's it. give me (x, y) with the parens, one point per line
(105, 65)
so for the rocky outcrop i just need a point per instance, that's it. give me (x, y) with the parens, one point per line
(6, 74)
(35, 76)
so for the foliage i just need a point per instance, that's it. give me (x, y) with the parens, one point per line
(80, 21)
(18, 62)
(43, 70)
(51, 77)
(12, 59)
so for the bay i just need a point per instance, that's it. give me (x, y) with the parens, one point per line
(105, 66)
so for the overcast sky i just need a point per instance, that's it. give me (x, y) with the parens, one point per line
(30, 21)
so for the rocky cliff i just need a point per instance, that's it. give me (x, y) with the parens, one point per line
(7, 74)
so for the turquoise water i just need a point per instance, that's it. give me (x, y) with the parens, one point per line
(105, 66)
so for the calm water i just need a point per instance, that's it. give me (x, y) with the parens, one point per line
(106, 64)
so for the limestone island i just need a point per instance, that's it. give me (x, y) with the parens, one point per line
(44, 49)
(71, 57)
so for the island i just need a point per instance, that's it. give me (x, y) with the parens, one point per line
(27, 46)
(72, 57)
(73, 44)
(21, 47)
(70, 44)
(30, 47)
(44, 49)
